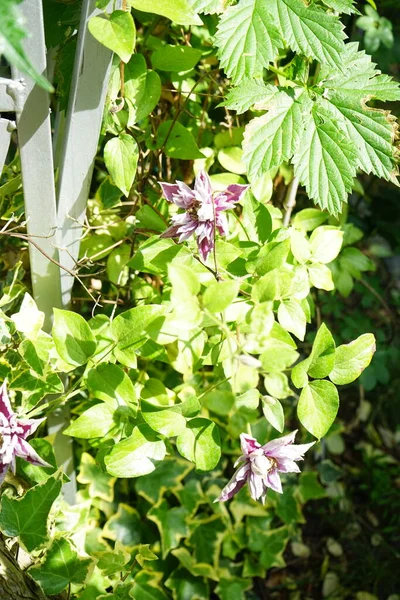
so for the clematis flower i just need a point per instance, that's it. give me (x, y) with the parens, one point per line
(260, 465)
(203, 210)
(13, 434)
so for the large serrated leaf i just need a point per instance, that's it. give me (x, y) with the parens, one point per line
(309, 30)
(325, 160)
(272, 139)
(247, 39)
(248, 93)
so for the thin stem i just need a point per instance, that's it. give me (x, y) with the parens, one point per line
(290, 200)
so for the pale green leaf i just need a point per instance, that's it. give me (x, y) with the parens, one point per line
(73, 338)
(309, 218)
(175, 58)
(95, 422)
(116, 31)
(111, 384)
(351, 359)
(248, 93)
(318, 406)
(121, 156)
(273, 412)
(292, 317)
(320, 277)
(136, 455)
(200, 443)
(219, 295)
(207, 7)
(142, 89)
(247, 39)
(163, 420)
(177, 141)
(179, 11)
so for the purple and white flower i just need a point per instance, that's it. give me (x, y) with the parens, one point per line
(13, 434)
(260, 465)
(203, 210)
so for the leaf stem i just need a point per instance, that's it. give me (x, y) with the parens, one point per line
(290, 200)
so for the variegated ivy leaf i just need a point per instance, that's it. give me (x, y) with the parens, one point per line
(247, 39)
(326, 159)
(272, 139)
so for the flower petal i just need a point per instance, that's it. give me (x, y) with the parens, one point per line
(248, 443)
(233, 193)
(273, 445)
(5, 406)
(29, 426)
(256, 486)
(235, 484)
(274, 481)
(202, 187)
(293, 451)
(24, 450)
(179, 193)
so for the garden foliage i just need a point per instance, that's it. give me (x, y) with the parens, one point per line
(192, 349)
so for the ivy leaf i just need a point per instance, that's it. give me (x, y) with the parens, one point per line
(27, 517)
(184, 586)
(325, 160)
(206, 538)
(136, 455)
(167, 476)
(171, 523)
(351, 359)
(101, 484)
(309, 30)
(124, 526)
(116, 31)
(248, 93)
(274, 544)
(61, 566)
(272, 138)
(247, 39)
(318, 406)
(121, 156)
(145, 587)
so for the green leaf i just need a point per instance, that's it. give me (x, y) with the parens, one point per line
(61, 566)
(351, 359)
(12, 35)
(325, 244)
(309, 218)
(142, 89)
(206, 539)
(34, 472)
(121, 156)
(233, 588)
(324, 142)
(101, 485)
(177, 141)
(200, 443)
(318, 406)
(129, 331)
(309, 486)
(163, 420)
(207, 6)
(167, 477)
(95, 422)
(27, 517)
(248, 93)
(179, 11)
(277, 355)
(175, 58)
(113, 561)
(116, 31)
(274, 545)
(256, 219)
(73, 338)
(136, 455)
(320, 277)
(124, 526)
(309, 30)
(230, 158)
(321, 360)
(171, 523)
(145, 586)
(111, 384)
(292, 317)
(343, 6)
(247, 39)
(219, 295)
(273, 138)
(273, 412)
(185, 586)
(288, 507)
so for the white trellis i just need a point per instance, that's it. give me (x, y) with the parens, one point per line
(54, 213)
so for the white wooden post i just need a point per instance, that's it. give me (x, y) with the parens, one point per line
(81, 137)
